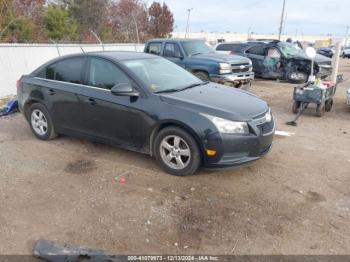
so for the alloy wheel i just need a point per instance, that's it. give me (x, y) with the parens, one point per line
(39, 122)
(175, 152)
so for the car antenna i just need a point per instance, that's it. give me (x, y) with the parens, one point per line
(82, 49)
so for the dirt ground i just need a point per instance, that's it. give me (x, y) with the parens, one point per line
(296, 200)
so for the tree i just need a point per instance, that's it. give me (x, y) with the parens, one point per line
(129, 20)
(91, 15)
(59, 24)
(161, 20)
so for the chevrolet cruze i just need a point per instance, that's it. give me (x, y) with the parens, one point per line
(147, 104)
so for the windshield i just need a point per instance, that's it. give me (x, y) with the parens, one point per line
(289, 49)
(197, 47)
(161, 75)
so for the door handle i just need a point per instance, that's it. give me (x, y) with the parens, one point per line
(92, 101)
(51, 92)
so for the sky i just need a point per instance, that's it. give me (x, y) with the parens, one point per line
(309, 17)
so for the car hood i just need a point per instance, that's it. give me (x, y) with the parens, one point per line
(232, 59)
(218, 100)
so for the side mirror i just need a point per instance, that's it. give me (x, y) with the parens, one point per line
(124, 89)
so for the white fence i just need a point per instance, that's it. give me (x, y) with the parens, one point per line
(20, 59)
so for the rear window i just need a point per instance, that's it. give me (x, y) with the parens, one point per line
(68, 70)
(154, 48)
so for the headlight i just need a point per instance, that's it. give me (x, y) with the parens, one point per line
(227, 126)
(225, 68)
(268, 116)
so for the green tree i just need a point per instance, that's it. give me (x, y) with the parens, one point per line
(91, 15)
(59, 24)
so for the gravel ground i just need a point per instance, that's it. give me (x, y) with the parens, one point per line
(296, 200)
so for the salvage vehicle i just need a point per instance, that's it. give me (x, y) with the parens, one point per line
(281, 60)
(147, 104)
(345, 53)
(200, 58)
(325, 51)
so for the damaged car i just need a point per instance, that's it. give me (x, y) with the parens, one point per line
(147, 104)
(282, 60)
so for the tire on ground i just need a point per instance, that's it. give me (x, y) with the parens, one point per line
(202, 75)
(50, 133)
(195, 155)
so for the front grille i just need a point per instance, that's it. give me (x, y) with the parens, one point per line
(240, 68)
(266, 127)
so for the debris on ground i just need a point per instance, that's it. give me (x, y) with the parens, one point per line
(11, 107)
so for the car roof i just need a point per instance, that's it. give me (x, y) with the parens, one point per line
(111, 55)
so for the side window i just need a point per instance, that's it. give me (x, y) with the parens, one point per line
(69, 70)
(257, 50)
(154, 48)
(104, 74)
(172, 50)
(48, 72)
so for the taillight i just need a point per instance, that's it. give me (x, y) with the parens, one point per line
(18, 84)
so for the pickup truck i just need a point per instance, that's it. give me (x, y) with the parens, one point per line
(196, 56)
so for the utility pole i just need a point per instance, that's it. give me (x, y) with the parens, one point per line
(346, 36)
(282, 20)
(188, 22)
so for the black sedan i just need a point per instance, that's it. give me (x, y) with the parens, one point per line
(147, 104)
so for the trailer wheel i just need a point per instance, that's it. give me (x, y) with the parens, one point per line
(296, 106)
(329, 105)
(320, 110)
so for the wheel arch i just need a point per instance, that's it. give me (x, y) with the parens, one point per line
(181, 125)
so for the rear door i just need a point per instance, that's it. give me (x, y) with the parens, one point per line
(61, 86)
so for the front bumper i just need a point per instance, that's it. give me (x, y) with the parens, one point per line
(235, 78)
(237, 150)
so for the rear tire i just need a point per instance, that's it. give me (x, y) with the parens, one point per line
(177, 152)
(40, 122)
(320, 110)
(329, 105)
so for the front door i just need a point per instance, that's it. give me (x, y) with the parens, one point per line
(108, 117)
(173, 53)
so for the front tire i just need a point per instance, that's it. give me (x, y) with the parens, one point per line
(202, 76)
(297, 77)
(40, 122)
(177, 152)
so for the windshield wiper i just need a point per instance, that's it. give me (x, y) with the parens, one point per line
(168, 91)
(194, 85)
(172, 90)
(196, 54)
